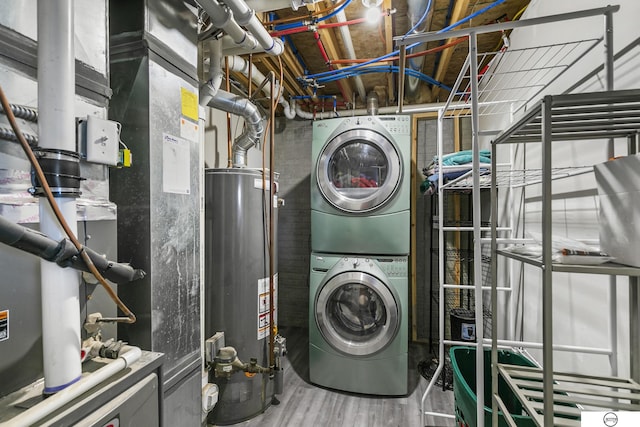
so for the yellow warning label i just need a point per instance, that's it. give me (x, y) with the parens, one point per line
(189, 104)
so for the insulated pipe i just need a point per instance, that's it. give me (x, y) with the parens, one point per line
(221, 17)
(56, 128)
(246, 17)
(347, 42)
(128, 355)
(421, 108)
(416, 8)
(240, 65)
(63, 253)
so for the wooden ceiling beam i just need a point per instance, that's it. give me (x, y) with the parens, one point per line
(460, 9)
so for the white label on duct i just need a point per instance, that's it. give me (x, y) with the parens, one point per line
(176, 165)
(189, 130)
(264, 305)
(257, 183)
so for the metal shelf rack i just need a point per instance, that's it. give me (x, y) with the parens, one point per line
(482, 89)
(544, 393)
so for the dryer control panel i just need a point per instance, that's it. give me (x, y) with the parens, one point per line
(396, 124)
(394, 266)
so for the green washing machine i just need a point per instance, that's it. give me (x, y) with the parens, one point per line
(360, 185)
(358, 323)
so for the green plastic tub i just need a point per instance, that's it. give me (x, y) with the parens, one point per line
(463, 363)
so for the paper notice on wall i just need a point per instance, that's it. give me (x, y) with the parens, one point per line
(4, 325)
(189, 103)
(264, 306)
(176, 165)
(189, 130)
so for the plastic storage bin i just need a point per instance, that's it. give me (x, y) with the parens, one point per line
(463, 362)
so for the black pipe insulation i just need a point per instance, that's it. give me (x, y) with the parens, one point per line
(64, 253)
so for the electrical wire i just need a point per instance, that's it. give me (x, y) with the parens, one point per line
(131, 318)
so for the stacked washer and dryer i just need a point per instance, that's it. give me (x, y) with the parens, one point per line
(359, 279)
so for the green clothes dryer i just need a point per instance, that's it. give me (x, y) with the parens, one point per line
(360, 185)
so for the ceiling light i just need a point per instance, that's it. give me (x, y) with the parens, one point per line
(371, 3)
(372, 15)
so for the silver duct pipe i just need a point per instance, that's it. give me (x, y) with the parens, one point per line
(350, 51)
(212, 96)
(372, 103)
(415, 11)
(253, 130)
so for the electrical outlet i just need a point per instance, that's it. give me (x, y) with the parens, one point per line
(101, 140)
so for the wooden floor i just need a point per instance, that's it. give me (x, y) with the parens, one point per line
(303, 404)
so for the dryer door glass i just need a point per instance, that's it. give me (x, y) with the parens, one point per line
(356, 313)
(359, 171)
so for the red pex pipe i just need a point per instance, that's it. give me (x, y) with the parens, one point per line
(328, 62)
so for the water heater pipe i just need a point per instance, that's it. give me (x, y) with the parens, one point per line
(56, 128)
(31, 416)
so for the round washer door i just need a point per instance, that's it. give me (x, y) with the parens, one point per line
(356, 313)
(359, 171)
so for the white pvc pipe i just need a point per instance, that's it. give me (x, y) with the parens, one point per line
(246, 17)
(241, 65)
(222, 18)
(36, 413)
(351, 53)
(56, 129)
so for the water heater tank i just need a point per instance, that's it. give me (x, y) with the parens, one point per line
(237, 283)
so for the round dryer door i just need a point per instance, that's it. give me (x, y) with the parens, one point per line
(357, 313)
(359, 171)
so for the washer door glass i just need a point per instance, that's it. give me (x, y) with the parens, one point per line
(356, 313)
(359, 171)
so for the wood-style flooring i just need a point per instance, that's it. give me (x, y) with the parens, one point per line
(303, 404)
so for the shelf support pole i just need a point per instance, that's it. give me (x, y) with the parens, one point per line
(547, 270)
(477, 243)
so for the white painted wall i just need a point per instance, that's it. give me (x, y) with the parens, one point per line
(581, 301)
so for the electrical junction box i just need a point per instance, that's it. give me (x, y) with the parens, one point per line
(99, 140)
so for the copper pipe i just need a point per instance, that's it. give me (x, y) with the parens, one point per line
(228, 89)
(272, 187)
(131, 318)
